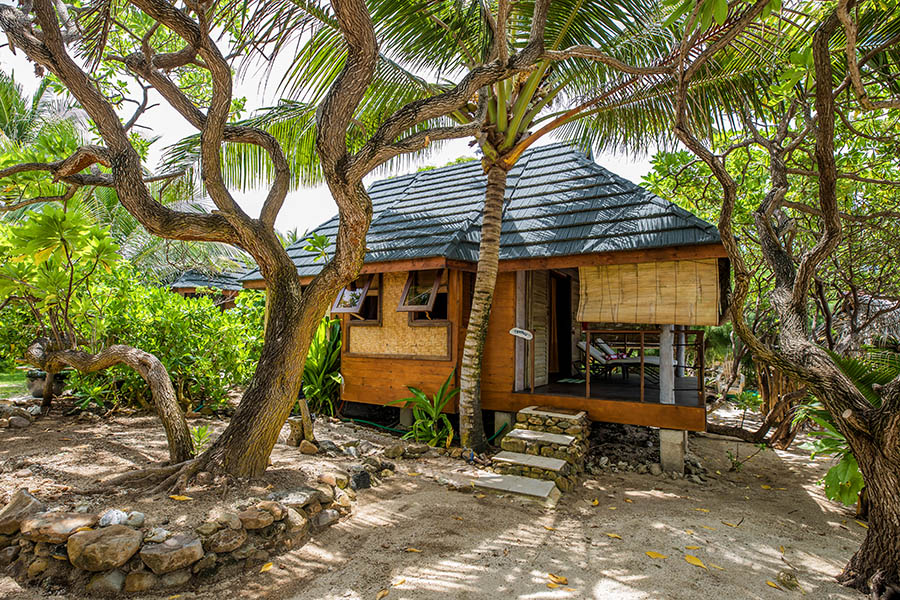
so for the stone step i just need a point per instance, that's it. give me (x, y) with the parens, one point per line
(530, 460)
(545, 412)
(532, 436)
(537, 489)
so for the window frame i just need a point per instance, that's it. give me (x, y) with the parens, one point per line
(411, 308)
(335, 309)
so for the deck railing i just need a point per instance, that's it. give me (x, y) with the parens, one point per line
(642, 339)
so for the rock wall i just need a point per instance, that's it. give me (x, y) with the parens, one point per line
(113, 553)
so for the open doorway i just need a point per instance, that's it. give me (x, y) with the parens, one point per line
(560, 326)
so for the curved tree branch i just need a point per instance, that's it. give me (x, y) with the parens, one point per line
(145, 364)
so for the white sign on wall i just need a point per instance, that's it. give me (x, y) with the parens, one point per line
(521, 333)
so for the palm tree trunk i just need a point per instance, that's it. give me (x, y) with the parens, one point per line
(471, 426)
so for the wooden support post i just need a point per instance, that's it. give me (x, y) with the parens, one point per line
(642, 366)
(532, 365)
(587, 365)
(701, 376)
(666, 365)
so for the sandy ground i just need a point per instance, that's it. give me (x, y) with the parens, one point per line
(486, 546)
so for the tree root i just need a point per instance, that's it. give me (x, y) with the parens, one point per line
(178, 479)
(139, 477)
(881, 585)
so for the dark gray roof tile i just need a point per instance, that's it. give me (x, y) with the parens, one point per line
(558, 203)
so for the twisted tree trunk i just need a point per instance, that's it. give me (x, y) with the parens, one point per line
(875, 567)
(150, 369)
(471, 425)
(244, 447)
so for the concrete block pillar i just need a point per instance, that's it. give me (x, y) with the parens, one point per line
(667, 365)
(672, 448)
(502, 419)
(406, 417)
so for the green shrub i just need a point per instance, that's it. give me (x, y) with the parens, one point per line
(62, 278)
(322, 370)
(17, 329)
(430, 424)
(206, 350)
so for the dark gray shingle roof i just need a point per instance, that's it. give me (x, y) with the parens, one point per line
(558, 203)
(221, 281)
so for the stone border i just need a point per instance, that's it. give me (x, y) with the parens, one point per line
(113, 553)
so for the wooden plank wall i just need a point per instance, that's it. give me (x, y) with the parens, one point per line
(380, 380)
(498, 372)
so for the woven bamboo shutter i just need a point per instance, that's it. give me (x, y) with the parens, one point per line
(682, 292)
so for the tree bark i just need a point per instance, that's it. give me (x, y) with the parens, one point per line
(150, 369)
(47, 400)
(471, 425)
(876, 565)
(244, 447)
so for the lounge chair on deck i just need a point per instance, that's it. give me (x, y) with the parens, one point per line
(604, 355)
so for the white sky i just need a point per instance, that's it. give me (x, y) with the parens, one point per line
(306, 208)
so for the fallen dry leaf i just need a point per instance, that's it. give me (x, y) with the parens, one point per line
(382, 594)
(595, 502)
(181, 498)
(552, 585)
(413, 474)
(614, 536)
(691, 559)
(548, 528)
(629, 500)
(781, 549)
(706, 510)
(85, 528)
(715, 566)
(689, 531)
(412, 550)
(400, 582)
(773, 584)
(692, 547)
(708, 527)
(458, 518)
(729, 524)
(653, 554)
(480, 496)
(265, 567)
(861, 524)
(612, 508)
(558, 579)
(766, 487)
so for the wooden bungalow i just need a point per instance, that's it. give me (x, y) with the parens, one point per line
(222, 287)
(609, 281)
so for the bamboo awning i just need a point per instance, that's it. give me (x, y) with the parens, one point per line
(679, 292)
